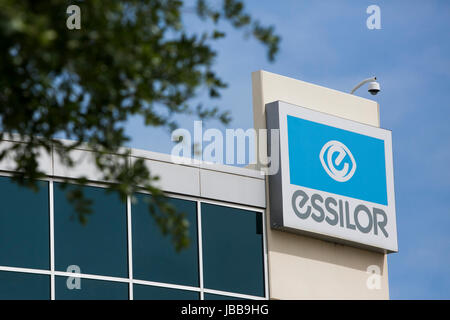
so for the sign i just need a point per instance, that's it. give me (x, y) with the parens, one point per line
(335, 180)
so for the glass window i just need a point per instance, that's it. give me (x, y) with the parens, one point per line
(24, 225)
(232, 250)
(90, 289)
(144, 292)
(210, 296)
(24, 286)
(100, 245)
(154, 255)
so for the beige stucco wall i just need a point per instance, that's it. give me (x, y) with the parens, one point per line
(302, 267)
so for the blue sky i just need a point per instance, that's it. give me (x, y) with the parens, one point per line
(328, 43)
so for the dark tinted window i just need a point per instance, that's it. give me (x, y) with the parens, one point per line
(143, 292)
(99, 246)
(24, 286)
(24, 225)
(210, 296)
(90, 290)
(232, 250)
(154, 255)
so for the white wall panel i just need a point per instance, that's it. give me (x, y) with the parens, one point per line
(232, 188)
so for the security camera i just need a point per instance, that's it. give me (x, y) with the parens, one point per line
(374, 87)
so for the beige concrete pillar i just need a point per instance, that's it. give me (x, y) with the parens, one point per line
(301, 267)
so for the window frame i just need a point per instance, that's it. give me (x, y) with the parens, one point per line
(130, 280)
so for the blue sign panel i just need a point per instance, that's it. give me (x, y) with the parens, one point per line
(338, 161)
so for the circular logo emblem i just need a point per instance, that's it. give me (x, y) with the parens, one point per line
(338, 161)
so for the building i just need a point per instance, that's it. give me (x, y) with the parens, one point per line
(234, 254)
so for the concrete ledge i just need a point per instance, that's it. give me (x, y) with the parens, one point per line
(233, 188)
(175, 178)
(213, 181)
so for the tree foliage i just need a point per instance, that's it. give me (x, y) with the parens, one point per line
(130, 57)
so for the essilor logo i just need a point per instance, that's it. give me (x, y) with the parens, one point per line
(334, 155)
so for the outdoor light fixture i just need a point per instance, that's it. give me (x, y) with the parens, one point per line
(374, 86)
